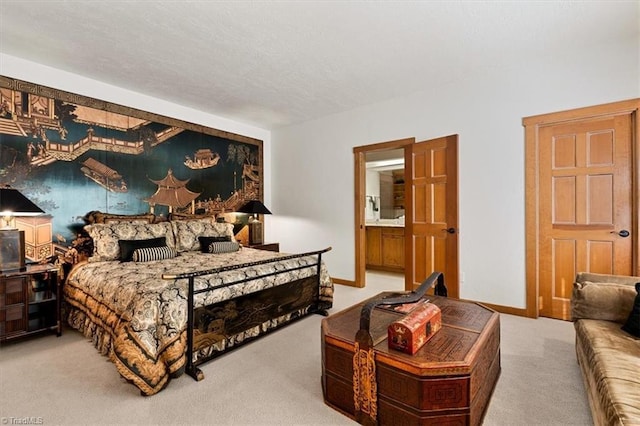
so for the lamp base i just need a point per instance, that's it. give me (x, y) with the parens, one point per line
(11, 250)
(255, 232)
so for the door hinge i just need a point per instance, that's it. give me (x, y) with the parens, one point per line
(540, 302)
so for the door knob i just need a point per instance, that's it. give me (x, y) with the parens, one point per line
(451, 230)
(624, 233)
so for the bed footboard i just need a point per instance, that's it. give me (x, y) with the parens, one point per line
(211, 325)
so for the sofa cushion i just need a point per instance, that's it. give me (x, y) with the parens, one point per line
(609, 360)
(632, 326)
(602, 301)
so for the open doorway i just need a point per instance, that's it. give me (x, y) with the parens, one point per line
(430, 230)
(379, 206)
(384, 211)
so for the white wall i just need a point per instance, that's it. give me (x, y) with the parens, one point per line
(309, 167)
(313, 188)
(21, 69)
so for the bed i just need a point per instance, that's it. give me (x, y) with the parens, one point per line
(159, 311)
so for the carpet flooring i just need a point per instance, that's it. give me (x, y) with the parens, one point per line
(274, 380)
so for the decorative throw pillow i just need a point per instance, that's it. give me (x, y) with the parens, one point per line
(127, 247)
(189, 216)
(187, 232)
(221, 247)
(96, 216)
(106, 236)
(147, 254)
(632, 326)
(205, 241)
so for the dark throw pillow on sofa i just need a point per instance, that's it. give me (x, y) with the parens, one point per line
(632, 326)
(127, 247)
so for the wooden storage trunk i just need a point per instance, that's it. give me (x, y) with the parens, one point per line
(448, 381)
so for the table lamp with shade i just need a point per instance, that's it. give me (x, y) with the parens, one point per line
(12, 204)
(254, 208)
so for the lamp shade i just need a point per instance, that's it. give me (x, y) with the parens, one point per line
(254, 207)
(13, 203)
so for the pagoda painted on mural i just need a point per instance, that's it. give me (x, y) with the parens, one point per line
(171, 192)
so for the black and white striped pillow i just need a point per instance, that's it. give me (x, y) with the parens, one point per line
(221, 247)
(148, 254)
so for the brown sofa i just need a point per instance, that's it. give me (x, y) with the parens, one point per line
(609, 357)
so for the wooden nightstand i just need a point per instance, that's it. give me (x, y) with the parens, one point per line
(266, 246)
(29, 301)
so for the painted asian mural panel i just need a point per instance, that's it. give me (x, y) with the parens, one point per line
(71, 154)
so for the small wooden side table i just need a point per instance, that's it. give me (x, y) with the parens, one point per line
(30, 301)
(266, 246)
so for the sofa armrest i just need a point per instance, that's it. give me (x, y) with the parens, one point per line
(603, 297)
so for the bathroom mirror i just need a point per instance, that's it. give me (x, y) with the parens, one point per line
(385, 186)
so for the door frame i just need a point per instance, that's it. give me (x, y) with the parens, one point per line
(532, 125)
(360, 180)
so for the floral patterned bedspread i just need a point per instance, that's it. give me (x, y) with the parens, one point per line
(139, 319)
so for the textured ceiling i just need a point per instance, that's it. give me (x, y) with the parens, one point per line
(272, 64)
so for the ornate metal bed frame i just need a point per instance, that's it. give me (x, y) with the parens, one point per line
(250, 310)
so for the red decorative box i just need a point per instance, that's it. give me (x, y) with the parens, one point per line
(412, 331)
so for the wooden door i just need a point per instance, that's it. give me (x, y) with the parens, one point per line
(431, 220)
(585, 187)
